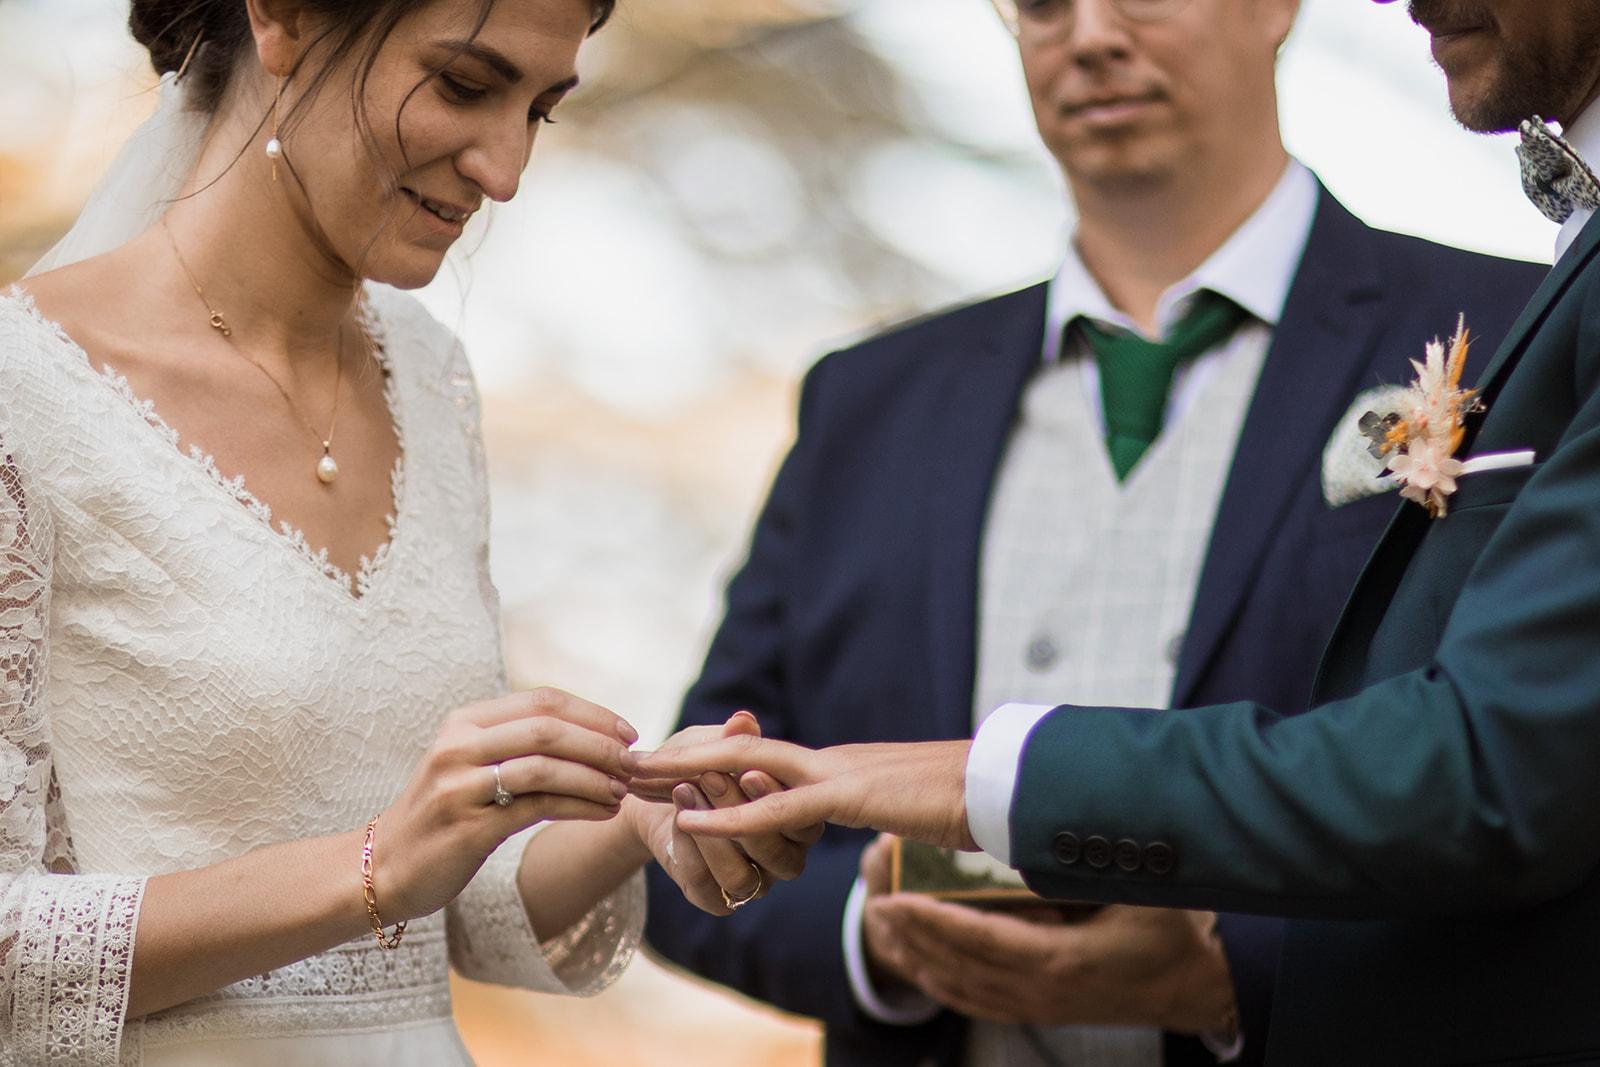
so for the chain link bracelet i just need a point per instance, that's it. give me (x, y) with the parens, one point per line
(388, 944)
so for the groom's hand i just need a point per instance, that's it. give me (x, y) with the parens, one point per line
(1122, 966)
(913, 790)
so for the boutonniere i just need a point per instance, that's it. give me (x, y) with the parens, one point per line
(1419, 438)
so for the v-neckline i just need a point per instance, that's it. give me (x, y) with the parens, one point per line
(355, 588)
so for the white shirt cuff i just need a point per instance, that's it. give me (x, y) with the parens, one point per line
(992, 774)
(1224, 1047)
(900, 1007)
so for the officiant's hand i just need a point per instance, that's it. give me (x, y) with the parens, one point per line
(559, 756)
(706, 868)
(913, 790)
(1121, 966)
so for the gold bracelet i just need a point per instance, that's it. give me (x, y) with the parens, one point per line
(388, 944)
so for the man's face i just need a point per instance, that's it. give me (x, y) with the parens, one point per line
(1507, 60)
(1119, 100)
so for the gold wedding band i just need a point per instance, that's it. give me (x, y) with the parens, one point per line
(501, 796)
(735, 905)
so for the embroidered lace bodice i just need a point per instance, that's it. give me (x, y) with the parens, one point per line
(182, 680)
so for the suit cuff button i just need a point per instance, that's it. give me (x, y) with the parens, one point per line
(1129, 856)
(1066, 848)
(1097, 852)
(1160, 858)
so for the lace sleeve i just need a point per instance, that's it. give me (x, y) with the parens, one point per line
(491, 939)
(66, 940)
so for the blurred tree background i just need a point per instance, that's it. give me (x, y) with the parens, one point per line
(739, 185)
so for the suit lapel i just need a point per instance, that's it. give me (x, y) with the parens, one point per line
(1561, 276)
(976, 410)
(1344, 662)
(1312, 370)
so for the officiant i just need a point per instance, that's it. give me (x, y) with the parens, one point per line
(1109, 488)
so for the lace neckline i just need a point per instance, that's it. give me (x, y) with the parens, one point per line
(355, 588)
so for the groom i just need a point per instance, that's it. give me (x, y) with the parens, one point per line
(950, 533)
(1429, 825)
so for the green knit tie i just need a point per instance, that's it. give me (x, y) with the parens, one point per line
(1136, 374)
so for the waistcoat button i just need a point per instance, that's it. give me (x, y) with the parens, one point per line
(1043, 653)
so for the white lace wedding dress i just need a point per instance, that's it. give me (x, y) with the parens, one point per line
(184, 680)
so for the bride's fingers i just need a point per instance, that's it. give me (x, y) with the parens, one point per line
(779, 856)
(557, 777)
(554, 703)
(732, 869)
(758, 784)
(687, 866)
(791, 811)
(549, 736)
(741, 724)
(532, 808)
(792, 764)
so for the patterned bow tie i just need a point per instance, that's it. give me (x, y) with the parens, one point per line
(1554, 176)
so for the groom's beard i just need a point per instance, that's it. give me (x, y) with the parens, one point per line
(1529, 74)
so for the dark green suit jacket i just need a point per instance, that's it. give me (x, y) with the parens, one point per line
(1433, 826)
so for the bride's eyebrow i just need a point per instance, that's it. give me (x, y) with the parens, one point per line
(497, 62)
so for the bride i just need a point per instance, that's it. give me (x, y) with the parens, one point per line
(243, 582)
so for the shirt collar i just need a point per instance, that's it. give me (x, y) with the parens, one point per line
(1253, 268)
(1584, 137)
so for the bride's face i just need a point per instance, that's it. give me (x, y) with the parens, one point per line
(391, 200)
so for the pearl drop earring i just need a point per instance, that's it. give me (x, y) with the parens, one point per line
(275, 146)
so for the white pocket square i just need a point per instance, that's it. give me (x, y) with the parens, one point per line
(1497, 461)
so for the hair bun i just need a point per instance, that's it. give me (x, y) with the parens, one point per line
(168, 29)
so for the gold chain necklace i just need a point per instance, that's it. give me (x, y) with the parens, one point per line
(327, 468)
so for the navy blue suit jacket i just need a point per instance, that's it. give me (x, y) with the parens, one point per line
(854, 617)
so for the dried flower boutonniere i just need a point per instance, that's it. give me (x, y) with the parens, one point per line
(1420, 439)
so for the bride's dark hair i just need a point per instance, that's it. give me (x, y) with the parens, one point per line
(171, 29)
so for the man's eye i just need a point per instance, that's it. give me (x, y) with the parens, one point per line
(460, 90)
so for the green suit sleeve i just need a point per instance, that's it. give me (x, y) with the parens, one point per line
(1469, 785)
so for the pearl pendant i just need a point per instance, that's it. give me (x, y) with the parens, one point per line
(327, 470)
(274, 149)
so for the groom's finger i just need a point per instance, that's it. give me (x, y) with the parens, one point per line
(758, 784)
(789, 811)
(791, 764)
(655, 789)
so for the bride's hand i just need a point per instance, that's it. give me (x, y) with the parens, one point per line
(712, 872)
(561, 757)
